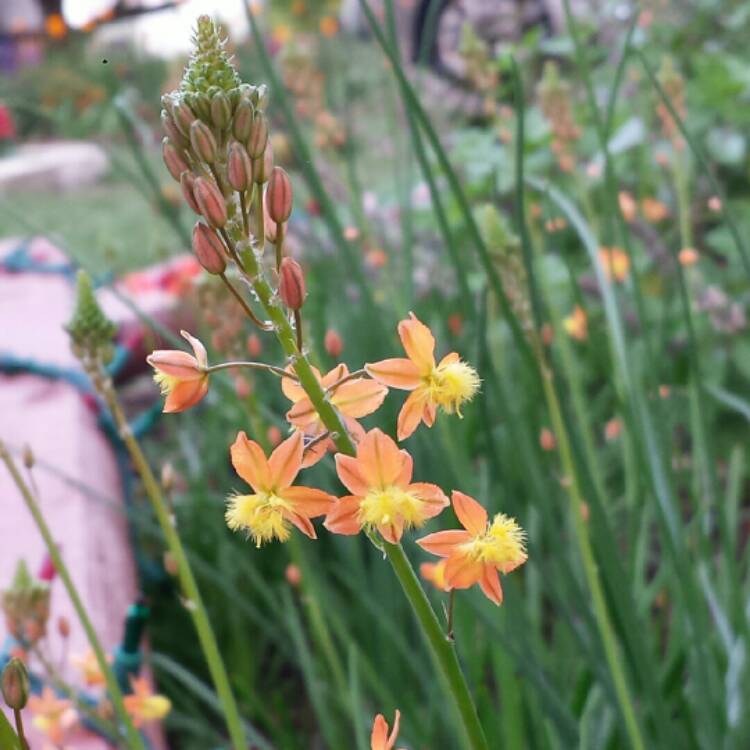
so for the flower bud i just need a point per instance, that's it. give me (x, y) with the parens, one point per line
(203, 142)
(242, 123)
(200, 103)
(63, 626)
(293, 575)
(173, 159)
(291, 284)
(221, 110)
(279, 195)
(263, 165)
(210, 201)
(187, 183)
(260, 97)
(208, 248)
(239, 167)
(254, 345)
(333, 343)
(171, 129)
(183, 117)
(15, 684)
(258, 137)
(269, 225)
(47, 570)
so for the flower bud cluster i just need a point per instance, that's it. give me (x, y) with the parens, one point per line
(556, 103)
(26, 606)
(90, 330)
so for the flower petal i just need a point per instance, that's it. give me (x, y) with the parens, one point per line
(444, 543)
(432, 496)
(334, 375)
(392, 531)
(198, 349)
(351, 475)
(286, 461)
(176, 364)
(314, 453)
(308, 501)
(396, 373)
(291, 388)
(490, 584)
(449, 359)
(250, 463)
(418, 341)
(470, 513)
(303, 414)
(379, 736)
(461, 571)
(185, 395)
(411, 414)
(302, 523)
(358, 398)
(342, 518)
(380, 459)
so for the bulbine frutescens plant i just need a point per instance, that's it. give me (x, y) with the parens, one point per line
(217, 148)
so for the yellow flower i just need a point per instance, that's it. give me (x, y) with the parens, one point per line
(353, 399)
(182, 377)
(383, 496)
(88, 665)
(576, 324)
(447, 385)
(143, 705)
(53, 716)
(275, 505)
(615, 263)
(477, 552)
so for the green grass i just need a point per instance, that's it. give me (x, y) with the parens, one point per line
(110, 227)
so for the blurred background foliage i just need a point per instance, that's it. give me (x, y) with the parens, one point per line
(651, 374)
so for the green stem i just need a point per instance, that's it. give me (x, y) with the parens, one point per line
(606, 629)
(19, 729)
(195, 606)
(134, 739)
(252, 366)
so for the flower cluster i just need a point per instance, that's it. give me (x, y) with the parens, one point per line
(216, 146)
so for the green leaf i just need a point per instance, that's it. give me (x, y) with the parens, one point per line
(8, 738)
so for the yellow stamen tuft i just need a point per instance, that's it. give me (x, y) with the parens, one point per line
(262, 516)
(452, 384)
(382, 507)
(165, 382)
(503, 544)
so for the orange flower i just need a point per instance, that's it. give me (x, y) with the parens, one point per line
(615, 263)
(143, 705)
(182, 377)
(275, 504)
(477, 552)
(53, 716)
(448, 384)
(435, 574)
(383, 495)
(354, 399)
(329, 26)
(576, 324)
(688, 256)
(654, 210)
(380, 739)
(88, 665)
(628, 206)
